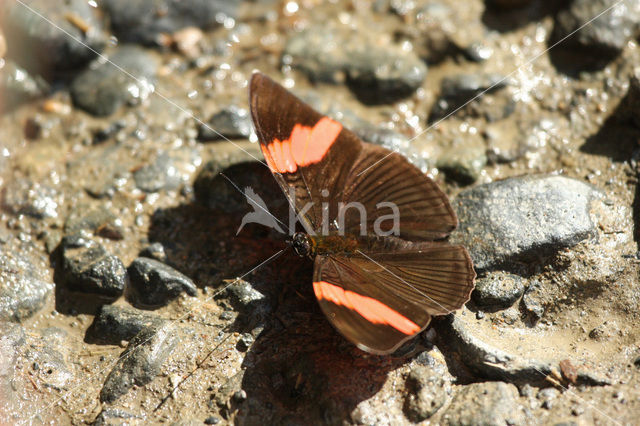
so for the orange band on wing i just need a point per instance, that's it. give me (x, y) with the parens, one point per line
(305, 146)
(371, 309)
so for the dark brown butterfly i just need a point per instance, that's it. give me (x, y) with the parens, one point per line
(380, 272)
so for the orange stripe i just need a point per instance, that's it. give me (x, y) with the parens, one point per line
(305, 146)
(371, 309)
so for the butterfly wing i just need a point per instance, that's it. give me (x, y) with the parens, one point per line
(378, 300)
(306, 151)
(381, 181)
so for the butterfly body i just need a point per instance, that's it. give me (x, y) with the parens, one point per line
(374, 224)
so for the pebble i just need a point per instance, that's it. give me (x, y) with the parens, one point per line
(102, 88)
(456, 91)
(115, 416)
(629, 109)
(162, 174)
(211, 420)
(114, 324)
(155, 251)
(18, 86)
(428, 390)
(498, 290)
(533, 302)
(548, 396)
(22, 292)
(604, 37)
(42, 48)
(23, 196)
(245, 342)
(147, 21)
(231, 122)
(523, 218)
(88, 267)
(154, 284)
(377, 73)
(96, 219)
(141, 361)
(253, 306)
(463, 159)
(490, 403)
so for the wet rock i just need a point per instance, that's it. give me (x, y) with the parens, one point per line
(113, 324)
(155, 251)
(48, 364)
(103, 88)
(115, 416)
(245, 342)
(523, 218)
(146, 21)
(22, 196)
(160, 175)
(429, 389)
(153, 283)
(211, 420)
(547, 396)
(44, 48)
(231, 122)
(88, 267)
(456, 91)
(22, 293)
(504, 142)
(533, 302)
(18, 86)
(463, 159)
(96, 219)
(604, 37)
(376, 72)
(498, 290)
(141, 362)
(491, 403)
(245, 299)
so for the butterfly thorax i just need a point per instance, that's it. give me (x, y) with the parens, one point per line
(311, 245)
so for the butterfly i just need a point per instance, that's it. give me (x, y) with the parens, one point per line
(373, 223)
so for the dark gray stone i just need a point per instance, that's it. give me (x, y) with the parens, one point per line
(22, 196)
(41, 47)
(96, 219)
(115, 416)
(428, 390)
(141, 362)
(376, 73)
(22, 293)
(103, 88)
(604, 37)
(533, 302)
(629, 109)
(231, 122)
(464, 159)
(153, 283)
(245, 342)
(88, 267)
(498, 290)
(113, 324)
(155, 251)
(523, 218)
(18, 86)
(252, 304)
(162, 174)
(491, 403)
(145, 21)
(457, 90)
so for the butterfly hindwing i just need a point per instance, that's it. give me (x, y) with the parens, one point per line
(378, 300)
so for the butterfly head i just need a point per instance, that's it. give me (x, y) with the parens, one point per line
(301, 244)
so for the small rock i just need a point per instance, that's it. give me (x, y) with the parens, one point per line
(211, 420)
(155, 251)
(254, 305)
(22, 196)
(153, 283)
(245, 342)
(603, 332)
(376, 72)
(22, 293)
(103, 88)
(52, 369)
(186, 41)
(603, 38)
(160, 175)
(47, 45)
(569, 371)
(490, 403)
(636, 362)
(508, 4)
(498, 290)
(96, 219)
(505, 143)
(523, 218)
(115, 416)
(548, 396)
(532, 301)
(114, 324)
(231, 122)
(18, 86)
(457, 90)
(88, 267)
(141, 362)
(146, 21)
(629, 109)
(428, 391)
(463, 160)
